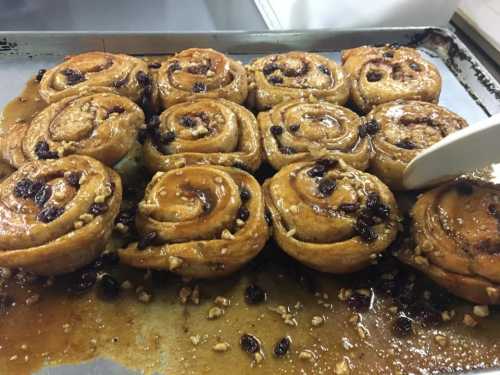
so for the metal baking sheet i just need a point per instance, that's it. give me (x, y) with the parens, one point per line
(468, 89)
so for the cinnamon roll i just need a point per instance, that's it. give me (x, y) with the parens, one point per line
(199, 221)
(456, 229)
(201, 73)
(56, 215)
(400, 130)
(293, 75)
(103, 126)
(299, 130)
(100, 72)
(204, 131)
(331, 216)
(383, 74)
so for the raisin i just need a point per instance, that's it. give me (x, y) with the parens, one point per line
(40, 74)
(115, 109)
(275, 80)
(416, 67)
(73, 77)
(406, 144)
(269, 68)
(294, 128)
(276, 130)
(126, 217)
(364, 230)
(464, 188)
(174, 66)
(287, 150)
(98, 208)
(81, 281)
(374, 76)
(372, 127)
(317, 171)
(43, 152)
(492, 210)
(167, 137)
(376, 207)
(147, 240)
(109, 288)
(143, 79)
(326, 186)
(198, 69)
(249, 343)
(243, 213)
(187, 122)
(43, 195)
(359, 302)
(154, 65)
(254, 294)
(268, 217)
(388, 54)
(109, 258)
(142, 134)
(120, 82)
(245, 194)
(50, 213)
(349, 207)
(23, 188)
(281, 347)
(324, 69)
(199, 87)
(402, 326)
(362, 131)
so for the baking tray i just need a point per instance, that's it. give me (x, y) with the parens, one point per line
(468, 88)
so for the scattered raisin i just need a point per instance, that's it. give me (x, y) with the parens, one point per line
(154, 65)
(268, 217)
(245, 194)
(50, 213)
(147, 240)
(349, 207)
(108, 286)
(174, 66)
(43, 152)
(362, 131)
(324, 69)
(243, 213)
(81, 281)
(73, 77)
(294, 127)
(372, 127)
(115, 109)
(167, 137)
(406, 144)
(374, 76)
(276, 130)
(109, 258)
(317, 171)
(43, 195)
(326, 186)
(254, 294)
(98, 208)
(364, 230)
(376, 207)
(269, 68)
(187, 122)
(199, 87)
(249, 343)
(359, 302)
(126, 216)
(23, 188)
(388, 54)
(198, 69)
(281, 347)
(120, 82)
(275, 80)
(402, 327)
(416, 67)
(40, 74)
(143, 79)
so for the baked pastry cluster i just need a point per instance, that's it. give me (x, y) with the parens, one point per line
(201, 123)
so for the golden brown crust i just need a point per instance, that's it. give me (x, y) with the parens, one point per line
(103, 126)
(312, 130)
(201, 73)
(457, 240)
(203, 225)
(336, 228)
(56, 216)
(384, 74)
(207, 131)
(403, 129)
(99, 72)
(294, 75)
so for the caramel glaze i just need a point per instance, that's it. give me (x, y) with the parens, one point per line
(66, 328)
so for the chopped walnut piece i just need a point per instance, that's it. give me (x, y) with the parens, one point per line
(481, 311)
(317, 321)
(441, 340)
(195, 339)
(469, 321)
(222, 301)
(215, 313)
(307, 355)
(144, 296)
(174, 262)
(221, 347)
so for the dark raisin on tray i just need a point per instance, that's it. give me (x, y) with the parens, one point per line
(109, 288)
(327, 186)
(199, 87)
(81, 280)
(276, 130)
(43, 195)
(402, 327)
(147, 240)
(249, 343)
(50, 213)
(254, 294)
(282, 347)
(243, 213)
(43, 152)
(98, 208)
(359, 302)
(73, 77)
(40, 74)
(245, 194)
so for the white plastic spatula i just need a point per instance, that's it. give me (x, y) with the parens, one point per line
(471, 148)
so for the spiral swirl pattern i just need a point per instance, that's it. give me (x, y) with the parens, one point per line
(383, 74)
(56, 216)
(403, 129)
(294, 75)
(204, 131)
(199, 221)
(331, 216)
(201, 73)
(457, 241)
(299, 130)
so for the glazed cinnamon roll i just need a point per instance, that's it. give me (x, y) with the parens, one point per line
(56, 215)
(293, 75)
(100, 72)
(383, 74)
(299, 130)
(199, 221)
(400, 130)
(457, 239)
(103, 126)
(204, 131)
(201, 73)
(331, 216)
